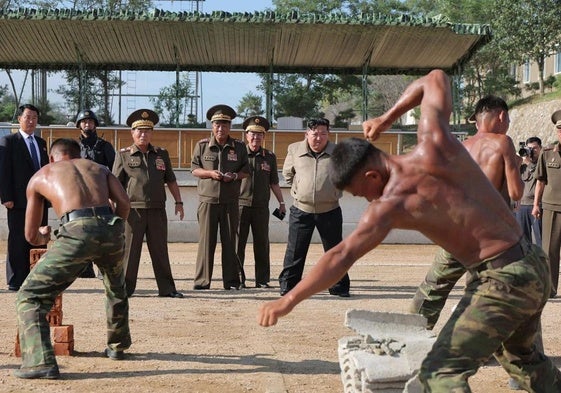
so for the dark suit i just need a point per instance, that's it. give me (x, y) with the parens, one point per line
(16, 168)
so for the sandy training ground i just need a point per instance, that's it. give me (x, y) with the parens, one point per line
(210, 341)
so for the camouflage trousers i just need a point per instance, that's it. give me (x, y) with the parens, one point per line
(498, 315)
(79, 242)
(441, 278)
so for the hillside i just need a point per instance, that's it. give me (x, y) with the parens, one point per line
(533, 120)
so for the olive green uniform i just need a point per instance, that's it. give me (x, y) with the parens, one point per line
(78, 242)
(549, 171)
(499, 314)
(254, 210)
(218, 205)
(144, 176)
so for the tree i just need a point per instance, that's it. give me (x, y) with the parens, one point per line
(170, 104)
(7, 104)
(350, 7)
(528, 31)
(250, 105)
(487, 72)
(298, 95)
(88, 89)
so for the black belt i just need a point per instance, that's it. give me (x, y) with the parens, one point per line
(86, 212)
(513, 254)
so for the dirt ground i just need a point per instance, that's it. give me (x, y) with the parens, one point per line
(210, 341)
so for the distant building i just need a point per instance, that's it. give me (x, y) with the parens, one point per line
(290, 123)
(529, 73)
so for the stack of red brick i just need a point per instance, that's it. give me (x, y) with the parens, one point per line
(62, 335)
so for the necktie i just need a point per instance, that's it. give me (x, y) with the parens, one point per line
(34, 156)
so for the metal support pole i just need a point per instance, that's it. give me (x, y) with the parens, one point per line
(365, 91)
(177, 97)
(269, 95)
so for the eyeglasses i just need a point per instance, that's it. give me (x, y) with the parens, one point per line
(316, 134)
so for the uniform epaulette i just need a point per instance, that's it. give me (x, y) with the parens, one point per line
(205, 140)
(552, 146)
(156, 148)
(125, 149)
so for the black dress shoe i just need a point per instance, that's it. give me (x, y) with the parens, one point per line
(13, 288)
(236, 287)
(284, 291)
(339, 293)
(262, 285)
(174, 294)
(201, 287)
(114, 354)
(42, 372)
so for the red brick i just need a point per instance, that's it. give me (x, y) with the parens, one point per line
(63, 334)
(64, 349)
(54, 318)
(17, 349)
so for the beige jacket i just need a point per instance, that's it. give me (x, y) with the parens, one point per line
(311, 189)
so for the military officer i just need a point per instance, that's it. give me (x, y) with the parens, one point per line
(254, 198)
(143, 169)
(220, 162)
(547, 194)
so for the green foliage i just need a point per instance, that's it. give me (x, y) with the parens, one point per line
(557, 82)
(532, 87)
(83, 5)
(90, 90)
(350, 7)
(549, 82)
(297, 95)
(343, 119)
(7, 104)
(464, 11)
(527, 30)
(250, 105)
(170, 102)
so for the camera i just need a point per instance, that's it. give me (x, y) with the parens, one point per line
(525, 150)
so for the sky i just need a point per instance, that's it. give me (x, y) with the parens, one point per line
(216, 88)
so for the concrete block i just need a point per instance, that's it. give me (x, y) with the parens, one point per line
(386, 354)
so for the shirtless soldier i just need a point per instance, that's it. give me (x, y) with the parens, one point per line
(439, 190)
(494, 152)
(90, 230)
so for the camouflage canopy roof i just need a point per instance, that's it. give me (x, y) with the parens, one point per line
(235, 42)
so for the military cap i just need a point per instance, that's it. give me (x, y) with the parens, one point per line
(221, 112)
(556, 118)
(86, 114)
(143, 118)
(256, 124)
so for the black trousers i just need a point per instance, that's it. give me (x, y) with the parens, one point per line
(17, 257)
(300, 230)
(256, 218)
